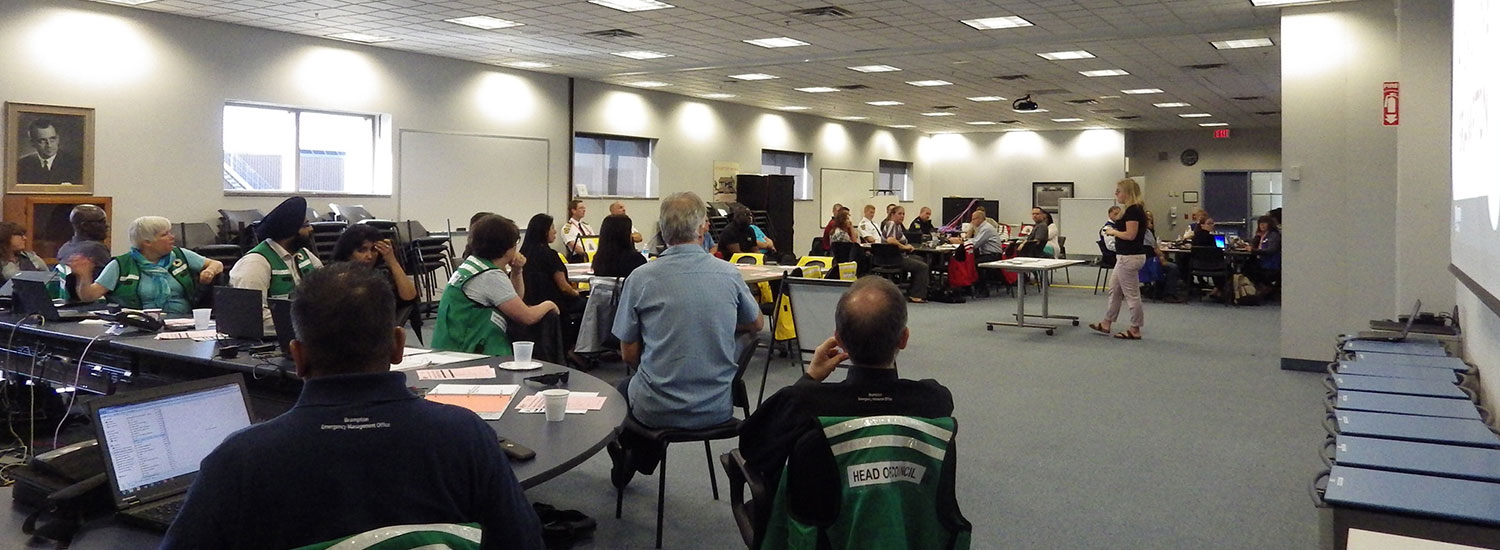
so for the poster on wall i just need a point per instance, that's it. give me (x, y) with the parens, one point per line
(1047, 195)
(724, 172)
(50, 149)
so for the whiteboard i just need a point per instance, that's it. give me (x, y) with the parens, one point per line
(851, 188)
(446, 178)
(1081, 220)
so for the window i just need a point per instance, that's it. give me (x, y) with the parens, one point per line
(1265, 192)
(788, 163)
(288, 150)
(614, 166)
(894, 179)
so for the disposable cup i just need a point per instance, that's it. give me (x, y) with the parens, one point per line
(557, 404)
(523, 352)
(200, 318)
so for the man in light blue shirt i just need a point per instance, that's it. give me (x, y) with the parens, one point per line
(676, 322)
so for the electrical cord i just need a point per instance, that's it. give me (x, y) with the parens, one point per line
(73, 395)
(9, 347)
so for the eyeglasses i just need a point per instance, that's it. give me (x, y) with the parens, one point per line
(552, 379)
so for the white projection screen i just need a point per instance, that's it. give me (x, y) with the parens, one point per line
(1476, 146)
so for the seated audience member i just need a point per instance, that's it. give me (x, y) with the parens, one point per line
(869, 231)
(546, 275)
(617, 208)
(278, 263)
(827, 242)
(916, 269)
(737, 237)
(575, 229)
(923, 223)
(1194, 219)
(1038, 243)
(869, 331)
(677, 319)
(485, 293)
(155, 274)
(14, 257)
(1170, 272)
(402, 461)
(1203, 236)
(762, 242)
(986, 240)
(617, 256)
(365, 246)
(1265, 268)
(841, 229)
(1104, 237)
(90, 229)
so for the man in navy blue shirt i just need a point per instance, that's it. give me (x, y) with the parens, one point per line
(358, 452)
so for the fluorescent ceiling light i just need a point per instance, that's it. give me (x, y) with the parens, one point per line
(754, 76)
(1269, 3)
(641, 54)
(1104, 72)
(852, 117)
(778, 42)
(902, 126)
(632, 5)
(884, 103)
(1195, 115)
(988, 23)
(130, 2)
(985, 98)
(717, 96)
(981, 123)
(1139, 91)
(1059, 56)
(937, 113)
(818, 90)
(1242, 43)
(1067, 120)
(528, 64)
(648, 84)
(1037, 110)
(361, 37)
(1214, 124)
(1109, 97)
(794, 108)
(929, 83)
(484, 22)
(1172, 105)
(874, 68)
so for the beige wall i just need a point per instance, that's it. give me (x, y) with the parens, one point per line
(1003, 165)
(1248, 149)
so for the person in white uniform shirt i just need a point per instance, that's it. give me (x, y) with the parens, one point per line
(575, 228)
(868, 231)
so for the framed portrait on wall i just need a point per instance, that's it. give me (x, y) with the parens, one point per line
(1048, 195)
(49, 149)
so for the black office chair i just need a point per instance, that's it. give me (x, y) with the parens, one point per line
(885, 261)
(1106, 264)
(664, 437)
(325, 237)
(1209, 262)
(234, 223)
(350, 213)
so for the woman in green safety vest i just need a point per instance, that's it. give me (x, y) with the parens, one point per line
(155, 274)
(485, 292)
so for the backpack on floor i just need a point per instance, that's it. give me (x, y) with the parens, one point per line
(1244, 291)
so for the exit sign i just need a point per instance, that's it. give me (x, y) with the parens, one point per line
(1222, 133)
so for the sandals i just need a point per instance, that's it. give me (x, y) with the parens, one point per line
(1099, 328)
(916, 300)
(1127, 335)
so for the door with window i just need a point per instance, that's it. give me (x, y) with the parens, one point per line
(1235, 198)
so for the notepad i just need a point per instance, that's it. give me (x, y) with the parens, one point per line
(476, 372)
(445, 357)
(487, 400)
(200, 335)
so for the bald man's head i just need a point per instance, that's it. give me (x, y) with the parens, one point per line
(870, 322)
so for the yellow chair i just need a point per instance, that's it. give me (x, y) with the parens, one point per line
(825, 261)
(812, 272)
(848, 271)
(754, 258)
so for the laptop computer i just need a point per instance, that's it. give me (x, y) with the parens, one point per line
(1221, 242)
(1404, 328)
(281, 318)
(237, 313)
(1408, 326)
(31, 296)
(154, 440)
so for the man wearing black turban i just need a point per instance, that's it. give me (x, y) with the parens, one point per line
(277, 264)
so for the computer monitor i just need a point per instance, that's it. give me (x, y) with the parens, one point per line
(1221, 241)
(237, 313)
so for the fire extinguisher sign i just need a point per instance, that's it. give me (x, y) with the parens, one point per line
(1391, 104)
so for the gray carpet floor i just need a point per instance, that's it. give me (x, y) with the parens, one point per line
(1192, 438)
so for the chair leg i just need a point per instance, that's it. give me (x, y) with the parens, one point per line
(713, 480)
(619, 500)
(661, 493)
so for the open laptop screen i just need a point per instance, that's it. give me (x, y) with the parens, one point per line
(158, 443)
(1221, 241)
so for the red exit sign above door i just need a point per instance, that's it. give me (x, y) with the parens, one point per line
(1221, 133)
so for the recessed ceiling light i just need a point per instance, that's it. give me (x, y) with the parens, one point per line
(874, 68)
(1036, 110)
(1172, 105)
(1109, 97)
(1139, 91)
(717, 96)
(632, 5)
(884, 103)
(648, 84)
(988, 23)
(1195, 115)
(1268, 3)
(985, 98)
(528, 64)
(1242, 43)
(130, 2)
(1067, 120)
(484, 22)
(818, 90)
(852, 117)
(793, 108)
(754, 76)
(981, 123)
(929, 83)
(361, 37)
(778, 42)
(1074, 54)
(1214, 124)
(902, 126)
(641, 54)
(1104, 72)
(937, 113)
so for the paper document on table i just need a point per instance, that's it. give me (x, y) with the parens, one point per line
(476, 372)
(410, 363)
(200, 335)
(178, 324)
(487, 400)
(445, 357)
(408, 352)
(579, 402)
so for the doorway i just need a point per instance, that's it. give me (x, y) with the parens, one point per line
(1234, 198)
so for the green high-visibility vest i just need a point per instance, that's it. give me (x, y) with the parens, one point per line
(282, 283)
(127, 290)
(890, 470)
(450, 536)
(463, 324)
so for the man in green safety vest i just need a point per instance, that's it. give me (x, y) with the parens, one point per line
(905, 496)
(277, 264)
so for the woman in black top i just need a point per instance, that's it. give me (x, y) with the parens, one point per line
(617, 256)
(1129, 232)
(365, 245)
(545, 275)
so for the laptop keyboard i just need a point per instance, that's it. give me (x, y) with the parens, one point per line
(164, 512)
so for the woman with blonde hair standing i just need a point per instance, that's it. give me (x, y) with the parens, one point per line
(1129, 231)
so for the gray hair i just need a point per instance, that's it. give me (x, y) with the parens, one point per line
(146, 228)
(681, 216)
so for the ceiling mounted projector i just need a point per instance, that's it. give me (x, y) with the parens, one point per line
(1024, 104)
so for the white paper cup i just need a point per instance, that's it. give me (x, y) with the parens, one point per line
(557, 404)
(522, 351)
(200, 318)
